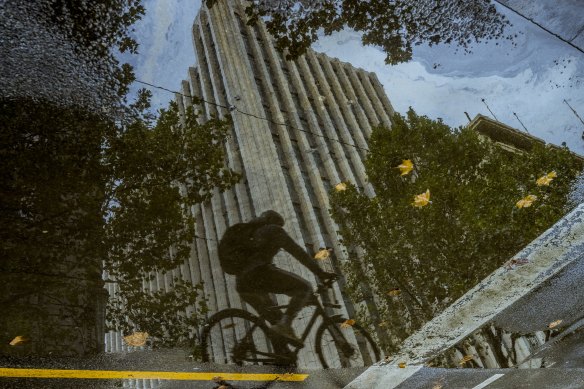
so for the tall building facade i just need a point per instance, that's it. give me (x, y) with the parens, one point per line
(299, 128)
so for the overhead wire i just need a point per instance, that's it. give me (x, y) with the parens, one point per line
(234, 108)
(541, 26)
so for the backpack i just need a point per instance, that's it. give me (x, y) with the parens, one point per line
(235, 247)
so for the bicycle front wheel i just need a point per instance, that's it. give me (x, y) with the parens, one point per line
(335, 350)
(235, 336)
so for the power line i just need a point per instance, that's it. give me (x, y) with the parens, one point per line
(199, 99)
(540, 26)
(575, 112)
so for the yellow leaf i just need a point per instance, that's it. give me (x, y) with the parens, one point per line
(341, 186)
(543, 181)
(406, 167)
(422, 200)
(526, 201)
(394, 292)
(323, 253)
(402, 365)
(465, 359)
(554, 324)
(384, 323)
(347, 323)
(546, 179)
(217, 379)
(17, 340)
(137, 339)
(224, 387)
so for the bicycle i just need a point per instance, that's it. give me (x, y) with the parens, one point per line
(235, 336)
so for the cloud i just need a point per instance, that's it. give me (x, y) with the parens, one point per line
(531, 79)
(165, 52)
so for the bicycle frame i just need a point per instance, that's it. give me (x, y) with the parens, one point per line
(319, 311)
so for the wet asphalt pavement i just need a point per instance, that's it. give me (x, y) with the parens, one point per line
(166, 362)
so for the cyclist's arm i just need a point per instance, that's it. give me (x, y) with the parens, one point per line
(281, 238)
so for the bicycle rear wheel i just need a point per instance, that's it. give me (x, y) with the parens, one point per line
(235, 336)
(334, 350)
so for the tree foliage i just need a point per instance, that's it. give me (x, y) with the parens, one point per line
(395, 26)
(420, 259)
(97, 26)
(157, 176)
(85, 190)
(78, 189)
(97, 30)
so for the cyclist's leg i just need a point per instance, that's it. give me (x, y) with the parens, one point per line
(283, 282)
(251, 290)
(261, 301)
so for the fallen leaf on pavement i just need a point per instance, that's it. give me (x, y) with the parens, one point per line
(394, 292)
(17, 340)
(406, 167)
(465, 359)
(137, 339)
(422, 200)
(554, 324)
(526, 202)
(347, 323)
(323, 253)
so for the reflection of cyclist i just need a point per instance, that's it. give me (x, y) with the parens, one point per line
(247, 251)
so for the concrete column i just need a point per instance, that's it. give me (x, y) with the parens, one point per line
(357, 106)
(379, 108)
(207, 273)
(336, 101)
(343, 102)
(364, 98)
(252, 134)
(381, 93)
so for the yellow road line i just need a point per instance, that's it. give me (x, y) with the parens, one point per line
(163, 375)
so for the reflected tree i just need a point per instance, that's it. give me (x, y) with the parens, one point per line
(157, 176)
(395, 26)
(420, 254)
(94, 185)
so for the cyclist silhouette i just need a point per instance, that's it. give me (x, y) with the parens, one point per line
(247, 250)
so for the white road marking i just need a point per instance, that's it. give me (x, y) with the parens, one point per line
(488, 381)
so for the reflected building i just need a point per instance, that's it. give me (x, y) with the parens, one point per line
(299, 128)
(509, 138)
